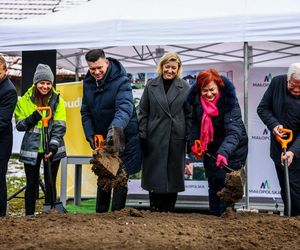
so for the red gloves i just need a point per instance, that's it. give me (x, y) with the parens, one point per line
(221, 161)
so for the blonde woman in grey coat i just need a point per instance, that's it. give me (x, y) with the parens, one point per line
(164, 121)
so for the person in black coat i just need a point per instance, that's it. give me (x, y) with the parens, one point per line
(278, 109)
(164, 119)
(108, 102)
(217, 123)
(8, 101)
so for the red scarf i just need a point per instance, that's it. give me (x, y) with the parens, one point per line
(207, 130)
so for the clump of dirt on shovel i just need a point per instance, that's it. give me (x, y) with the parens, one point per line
(234, 188)
(106, 166)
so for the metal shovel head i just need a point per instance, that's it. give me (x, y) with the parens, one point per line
(58, 206)
(118, 138)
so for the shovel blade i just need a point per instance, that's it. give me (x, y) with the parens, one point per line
(118, 138)
(58, 206)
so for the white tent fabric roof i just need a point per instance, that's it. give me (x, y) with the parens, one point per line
(131, 31)
(138, 22)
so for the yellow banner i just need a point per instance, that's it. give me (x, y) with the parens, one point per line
(76, 144)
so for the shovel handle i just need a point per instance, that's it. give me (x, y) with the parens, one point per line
(99, 141)
(222, 164)
(284, 142)
(199, 152)
(45, 120)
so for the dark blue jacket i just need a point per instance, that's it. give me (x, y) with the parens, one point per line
(111, 104)
(279, 106)
(8, 100)
(230, 138)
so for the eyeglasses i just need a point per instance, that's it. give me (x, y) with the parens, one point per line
(293, 85)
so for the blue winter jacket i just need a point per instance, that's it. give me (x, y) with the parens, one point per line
(108, 103)
(230, 138)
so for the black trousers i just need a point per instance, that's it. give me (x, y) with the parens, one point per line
(6, 141)
(294, 179)
(32, 183)
(162, 202)
(216, 205)
(104, 197)
(3, 188)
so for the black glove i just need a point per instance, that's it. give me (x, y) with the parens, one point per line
(115, 139)
(109, 141)
(34, 118)
(91, 142)
(53, 149)
(119, 139)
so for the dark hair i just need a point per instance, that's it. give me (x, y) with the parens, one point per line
(94, 54)
(207, 76)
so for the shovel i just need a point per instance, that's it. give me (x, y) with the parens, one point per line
(105, 161)
(284, 142)
(58, 206)
(199, 152)
(240, 173)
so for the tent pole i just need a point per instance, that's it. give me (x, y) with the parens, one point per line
(77, 68)
(246, 68)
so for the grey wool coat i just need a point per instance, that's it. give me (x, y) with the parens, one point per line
(164, 122)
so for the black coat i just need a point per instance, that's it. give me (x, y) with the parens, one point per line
(164, 122)
(111, 104)
(230, 137)
(8, 101)
(279, 106)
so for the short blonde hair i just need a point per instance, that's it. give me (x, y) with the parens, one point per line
(169, 57)
(3, 62)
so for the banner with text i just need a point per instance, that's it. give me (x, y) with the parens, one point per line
(262, 178)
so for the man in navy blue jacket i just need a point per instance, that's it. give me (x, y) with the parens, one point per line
(108, 102)
(278, 109)
(8, 100)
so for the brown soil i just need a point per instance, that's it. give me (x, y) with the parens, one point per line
(106, 165)
(234, 189)
(134, 229)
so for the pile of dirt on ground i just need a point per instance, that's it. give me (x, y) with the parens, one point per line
(134, 229)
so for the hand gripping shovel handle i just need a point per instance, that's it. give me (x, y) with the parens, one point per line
(222, 164)
(45, 120)
(284, 142)
(99, 141)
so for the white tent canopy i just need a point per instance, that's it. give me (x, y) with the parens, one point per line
(131, 31)
(135, 31)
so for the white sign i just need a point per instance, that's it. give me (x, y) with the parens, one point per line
(262, 178)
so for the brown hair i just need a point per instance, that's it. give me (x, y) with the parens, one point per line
(39, 99)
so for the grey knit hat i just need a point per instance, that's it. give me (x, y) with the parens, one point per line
(43, 72)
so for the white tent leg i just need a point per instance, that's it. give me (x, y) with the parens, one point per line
(246, 68)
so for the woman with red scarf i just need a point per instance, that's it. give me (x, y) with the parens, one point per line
(217, 124)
